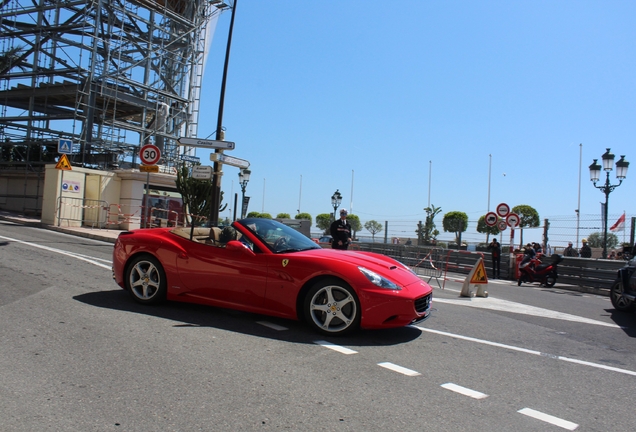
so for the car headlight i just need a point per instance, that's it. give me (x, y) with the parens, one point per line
(378, 280)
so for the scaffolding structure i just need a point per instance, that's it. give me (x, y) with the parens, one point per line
(108, 75)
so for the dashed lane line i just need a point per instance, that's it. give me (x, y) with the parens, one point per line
(336, 348)
(528, 351)
(464, 391)
(548, 418)
(399, 369)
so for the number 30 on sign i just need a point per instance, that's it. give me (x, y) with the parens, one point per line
(149, 154)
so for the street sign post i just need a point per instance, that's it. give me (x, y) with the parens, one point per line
(65, 146)
(491, 219)
(513, 220)
(149, 154)
(188, 158)
(503, 209)
(203, 143)
(202, 172)
(229, 160)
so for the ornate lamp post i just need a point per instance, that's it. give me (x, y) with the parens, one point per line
(336, 199)
(244, 178)
(607, 188)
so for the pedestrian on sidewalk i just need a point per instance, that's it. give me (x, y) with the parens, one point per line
(341, 232)
(495, 250)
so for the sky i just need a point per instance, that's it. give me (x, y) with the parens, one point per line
(493, 101)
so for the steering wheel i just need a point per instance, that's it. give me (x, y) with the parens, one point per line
(280, 244)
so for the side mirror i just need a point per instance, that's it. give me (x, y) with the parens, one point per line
(237, 246)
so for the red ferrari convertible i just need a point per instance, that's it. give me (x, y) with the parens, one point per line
(265, 267)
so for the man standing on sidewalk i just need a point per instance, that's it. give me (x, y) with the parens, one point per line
(341, 232)
(495, 250)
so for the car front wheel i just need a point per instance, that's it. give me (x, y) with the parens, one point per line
(332, 308)
(146, 280)
(618, 299)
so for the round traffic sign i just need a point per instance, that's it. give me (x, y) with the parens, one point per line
(503, 209)
(513, 220)
(502, 225)
(149, 154)
(491, 219)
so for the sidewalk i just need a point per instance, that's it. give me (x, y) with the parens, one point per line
(107, 235)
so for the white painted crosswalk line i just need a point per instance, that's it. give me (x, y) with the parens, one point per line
(548, 418)
(399, 369)
(465, 391)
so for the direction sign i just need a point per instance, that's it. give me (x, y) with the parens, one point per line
(503, 209)
(149, 154)
(502, 225)
(513, 220)
(203, 143)
(64, 146)
(188, 158)
(149, 168)
(491, 219)
(202, 172)
(229, 160)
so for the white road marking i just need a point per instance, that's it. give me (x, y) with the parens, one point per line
(399, 369)
(513, 307)
(337, 348)
(548, 418)
(528, 351)
(86, 258)
(272, 325)
(465, 391)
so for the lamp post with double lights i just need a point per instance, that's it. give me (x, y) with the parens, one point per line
(336, 199)
(244, 178)
(607, 188)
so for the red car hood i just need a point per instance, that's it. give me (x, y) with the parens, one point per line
(381, 264)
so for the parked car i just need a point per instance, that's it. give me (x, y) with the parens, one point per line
(262, 266)
(623, 292)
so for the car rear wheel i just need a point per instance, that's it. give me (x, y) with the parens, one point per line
(146, 280)
(332, 308)
(618, 299)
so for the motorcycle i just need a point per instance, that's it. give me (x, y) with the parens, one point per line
(534, 270)
(623, 291)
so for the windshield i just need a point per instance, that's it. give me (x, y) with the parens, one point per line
(278, 237)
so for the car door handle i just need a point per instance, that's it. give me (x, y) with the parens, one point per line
(183, 255)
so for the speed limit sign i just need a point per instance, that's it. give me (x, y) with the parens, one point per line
(149, 154)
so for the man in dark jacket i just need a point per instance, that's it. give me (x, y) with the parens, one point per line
(495, 249)
(341, 232)
(586, 251)
(570, 251)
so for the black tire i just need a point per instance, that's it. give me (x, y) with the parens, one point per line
(332, 308)
(618, 300)
(550, 280)
(146, 280)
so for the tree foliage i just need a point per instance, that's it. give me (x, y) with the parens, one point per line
(323, 221)
(355, 223)
(304, 216)
(455, 222)
(595, 240)
(528, 216)
(427, 232)
(283, 216)
(373, 227)
(196, 196)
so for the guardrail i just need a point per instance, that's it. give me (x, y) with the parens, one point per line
(592, 275)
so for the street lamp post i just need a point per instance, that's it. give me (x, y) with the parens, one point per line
(607, 188)
(244, 178)
(336, 199)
